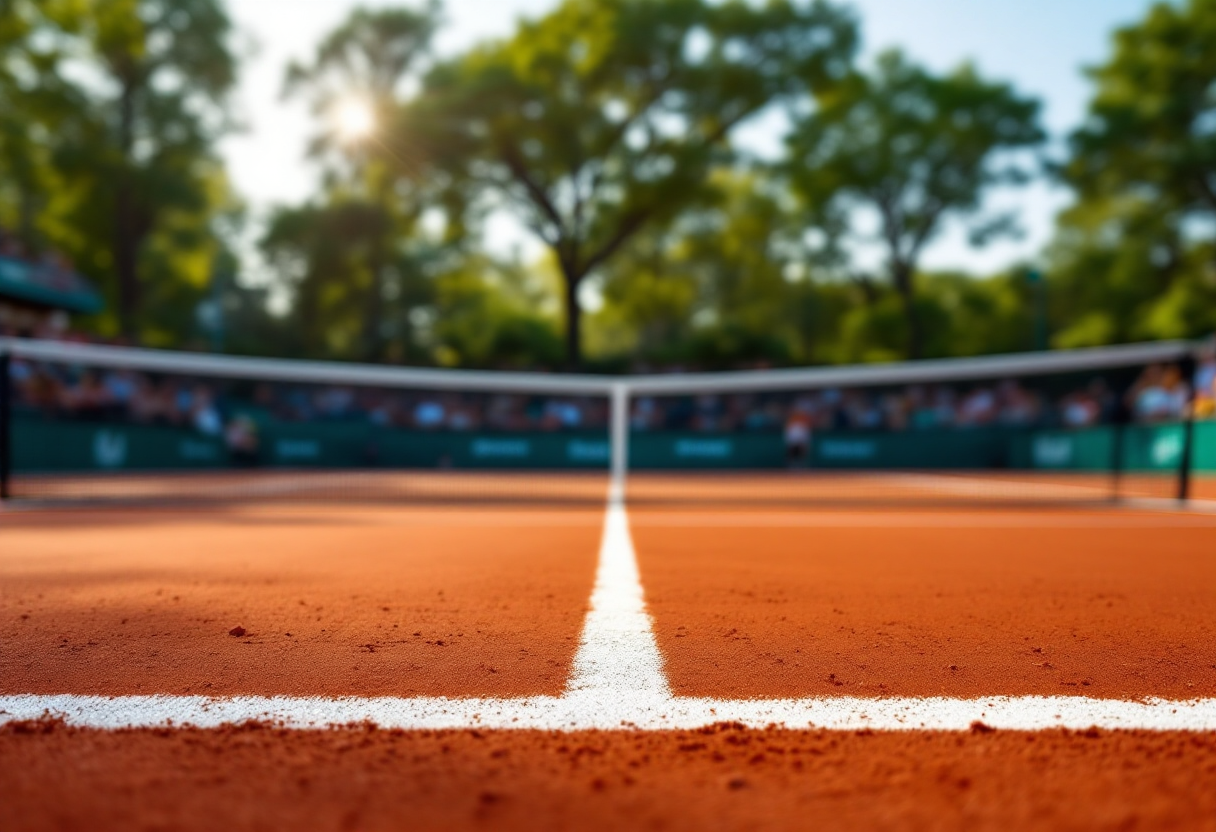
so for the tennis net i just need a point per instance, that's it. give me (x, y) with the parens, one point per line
(94, 424)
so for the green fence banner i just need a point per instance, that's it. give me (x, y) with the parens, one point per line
(1145, 448)
(83, 446)
(679, 450)
(64, 445)
(48, 445)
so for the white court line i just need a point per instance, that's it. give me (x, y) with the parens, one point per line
(971, 486)
(910, 520)
(618, 682)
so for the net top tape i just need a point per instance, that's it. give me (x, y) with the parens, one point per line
(282, 370)
(289, 370)
(927, 371)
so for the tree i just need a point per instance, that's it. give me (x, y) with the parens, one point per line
(1125, 269)
(320, 253)
(1151, 126)
(725, 285)
(31, 101)
(148, 147)
(493, 315)
(604, 117)
(914, 149)
(365, 64)
(1132, 258)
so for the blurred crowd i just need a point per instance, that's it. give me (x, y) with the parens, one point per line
(208, 406)
(1159, 394)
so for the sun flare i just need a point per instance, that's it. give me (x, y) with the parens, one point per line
(354, 119)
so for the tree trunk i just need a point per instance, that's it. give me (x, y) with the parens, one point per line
(125, 242)
(574, 324)
(902, 273)
(27, 229)
(373, 320)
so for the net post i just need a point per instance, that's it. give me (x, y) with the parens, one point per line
(6, 425)
(619, 439)
(1187, 366)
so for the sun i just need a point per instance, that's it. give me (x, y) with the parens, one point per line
(354, 119)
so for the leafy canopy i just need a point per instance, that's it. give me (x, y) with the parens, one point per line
(913, 148)
(605, 116)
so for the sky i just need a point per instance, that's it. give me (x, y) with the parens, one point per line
(1041, 46)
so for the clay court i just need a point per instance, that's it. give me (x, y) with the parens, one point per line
(776, 651)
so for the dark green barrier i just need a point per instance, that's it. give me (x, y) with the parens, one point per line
(705, 450)
(83, 446)
(56, 445)
(582, 450)
(1204, 457)
(1086, 449)
(986, 447)
(970, 448)
(1145, 448)
(1152, 448)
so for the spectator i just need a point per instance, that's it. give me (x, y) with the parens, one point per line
(241, 438)
(203, 415)
(798, 433)
(1205, 382)
(1160, 394)
(978, 408)
(429, 414)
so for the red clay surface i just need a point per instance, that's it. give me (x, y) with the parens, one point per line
(884, 610)
(541, 488)
(892, 488)
(721, 778)
(335, 603)
(371, 600)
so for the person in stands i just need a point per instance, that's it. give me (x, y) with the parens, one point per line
(1205, 381)
(798, 434)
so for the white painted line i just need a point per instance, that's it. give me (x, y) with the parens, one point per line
(910, 520)
(579, 711)
(618, 658)
(1005, 488)
(618, 682)
(1192, 505)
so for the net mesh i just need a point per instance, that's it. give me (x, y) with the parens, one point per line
(90, 424)
(115, 425)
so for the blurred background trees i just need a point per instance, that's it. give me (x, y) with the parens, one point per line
(1135, 257)
(608, 131)
(112, 111)
(912, 149)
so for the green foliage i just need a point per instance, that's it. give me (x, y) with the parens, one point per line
(1134, 257)
(1151, 127)
(367, 59)
(491, 315)
(961, 314)
(33, 100)
(912, 148)
(372, 202)
(1121, 270)
(322, 255)
(713, 288)
(606, 128)
(121, 103)
(605, 117)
